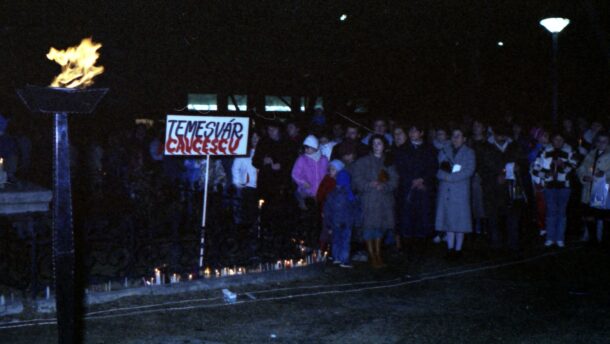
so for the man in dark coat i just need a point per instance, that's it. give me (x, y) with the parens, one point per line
(273, 159)
(479, 143)
(351, 146)
(503, 169)
(416, 164)
(294, 139)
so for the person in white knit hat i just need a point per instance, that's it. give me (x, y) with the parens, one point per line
(309, 169)
(307, 173)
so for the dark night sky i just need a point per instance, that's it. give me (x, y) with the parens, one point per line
(437, 58)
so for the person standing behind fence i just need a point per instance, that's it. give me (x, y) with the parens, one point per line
(309, 170)
(456, 166)
(307, 173)
(375, 178)
(272, 159)
(244, 176)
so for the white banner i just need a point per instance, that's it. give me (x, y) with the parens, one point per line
(206, 135)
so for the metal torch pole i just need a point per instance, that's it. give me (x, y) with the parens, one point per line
(204, 214)
(63, 236)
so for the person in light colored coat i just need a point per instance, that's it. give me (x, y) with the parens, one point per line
(244, 176)
(596, 165)
(453, 215)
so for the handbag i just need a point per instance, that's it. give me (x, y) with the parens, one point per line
(599, 194)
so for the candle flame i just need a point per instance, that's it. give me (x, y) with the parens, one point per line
(77, 64)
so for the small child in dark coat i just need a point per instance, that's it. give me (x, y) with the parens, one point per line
(340, 214)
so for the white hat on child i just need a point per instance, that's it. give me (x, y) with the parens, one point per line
(311, 141)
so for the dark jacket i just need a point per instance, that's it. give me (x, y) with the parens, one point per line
(492, 163)
(272, 182)
(413, 162)
(414, 208)
(339, 211)
(347, 146)
(481, 149)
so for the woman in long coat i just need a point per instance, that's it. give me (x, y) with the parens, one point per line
(457, 165)
(416, 164)
(375, 179)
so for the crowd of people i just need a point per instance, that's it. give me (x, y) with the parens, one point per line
(405, 184)
(401, 183)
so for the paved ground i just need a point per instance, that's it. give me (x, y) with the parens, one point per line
(540, 296)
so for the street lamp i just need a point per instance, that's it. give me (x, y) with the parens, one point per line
(555, 26)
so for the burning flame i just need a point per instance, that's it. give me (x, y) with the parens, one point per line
(77, 64)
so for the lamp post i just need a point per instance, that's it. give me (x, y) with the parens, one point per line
(555, 26)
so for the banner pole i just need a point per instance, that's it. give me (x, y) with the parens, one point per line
(204, 214)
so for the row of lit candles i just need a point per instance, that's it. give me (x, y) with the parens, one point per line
(159, 278)
(315, 257)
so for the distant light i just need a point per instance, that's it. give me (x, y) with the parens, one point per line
(500, 44)
(343, 17)
(555, 25)
(277, 108)
(202, 107)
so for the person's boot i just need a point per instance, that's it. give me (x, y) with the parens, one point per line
(399, 244)
(371, 250)
(380, 263)
(591, 227)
